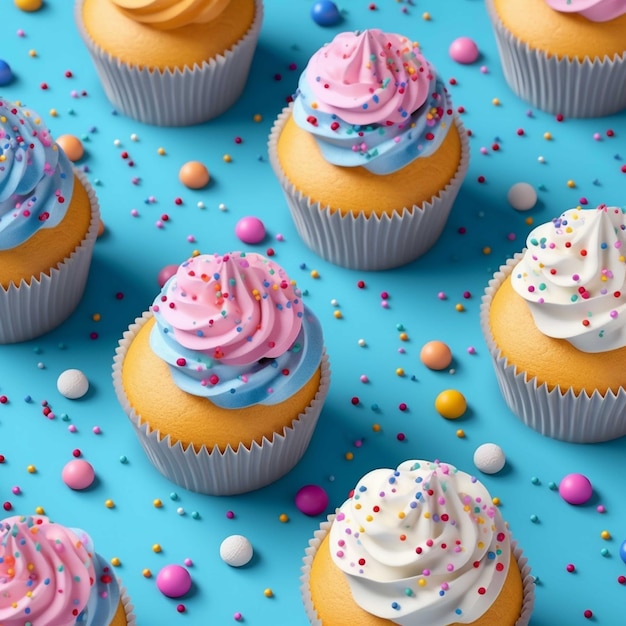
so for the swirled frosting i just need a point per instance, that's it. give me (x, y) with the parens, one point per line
(422, 544)
(233, 328)
(36, 177)
(573, 276)
(371, 99)
(594, 10)
(169, 14)
(50, 576)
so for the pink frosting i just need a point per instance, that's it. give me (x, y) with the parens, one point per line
(236, 308)
(46, 574)
(369, 78)
(594, 10)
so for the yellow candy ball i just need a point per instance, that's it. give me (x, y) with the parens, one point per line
(450, 404)
(28, 5)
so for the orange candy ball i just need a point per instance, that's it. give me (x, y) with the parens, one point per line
(436, 355)
(450, 404)
(72, 146)
(194, 175)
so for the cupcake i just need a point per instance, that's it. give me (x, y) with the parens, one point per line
(225, 377)
(369, 155)
(171, 63)
(422, 544)
(563, 56)
(554, 321)
(50, 575)
(49, 220)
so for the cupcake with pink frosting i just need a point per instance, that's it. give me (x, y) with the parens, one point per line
(564, 56)
(419, 544)
(225, 377)
(370, 155)
(50, 575)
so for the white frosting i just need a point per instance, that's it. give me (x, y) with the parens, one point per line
(422, 544)
(573, 277)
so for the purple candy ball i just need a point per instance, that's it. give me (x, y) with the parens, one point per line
(311, 500)
(173, 581)
(575, 489)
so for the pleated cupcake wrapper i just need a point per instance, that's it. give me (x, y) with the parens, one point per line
(213, 471)
(528, 581)
(374, 242)
(560, 413)
(568, 86)
(178, 97)
(29, 310)
(129, 609)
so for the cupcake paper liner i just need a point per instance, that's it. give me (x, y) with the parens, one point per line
(528, 581)
(30, 310)
(559, 413)
(175, 97)
(212, 471)
(129, 609)
(568, 86)
(374, 242)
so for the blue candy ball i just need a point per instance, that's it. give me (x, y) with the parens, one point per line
(6, 75)
(622, 551)
(325, 13)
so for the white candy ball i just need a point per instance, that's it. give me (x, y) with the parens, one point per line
(236, 550)
(522, 196)
(72, 384)
(489, 458)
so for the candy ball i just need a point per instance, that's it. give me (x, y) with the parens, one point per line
(522, 196)
(173, 581)
(72, 384)
(489, 458)
(236, 550)
(250, 230)
(325, 13)
(194, 175)
(311, 500)
(463, 50)
(6, 75)
(575, 489)
(436, 355)
(78, 474)
(166, 273)
(72, 146)
(450, 404)
(622, 551)
(28, 5)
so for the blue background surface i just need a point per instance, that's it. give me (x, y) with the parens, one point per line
(482, 232)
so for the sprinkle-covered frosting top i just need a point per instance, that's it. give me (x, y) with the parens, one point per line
(36, 177)
(168, 14)
(573, 276)
(371, 99)
(594, 10)
(422, 544)
(50, 576)
(233, 328)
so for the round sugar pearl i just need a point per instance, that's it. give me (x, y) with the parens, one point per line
(6, 74)
(311, 499)
(72, 146)
(575, 489)
(78, 474)
(28, 5)
(72, 384)
(522, 196)
(173, 581)
(436, 355)
(236, 550)
(622, 551)
(165, 274)
(450, 404)
(250, 230)
(194, 175)
(489, 458)
(325, 13)
(463, 50)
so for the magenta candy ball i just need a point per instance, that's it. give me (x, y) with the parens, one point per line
(165, 274)
(311, 500)
(575, 489)
(463, 50)
(78, 474)
(250, 230)
(173, 581)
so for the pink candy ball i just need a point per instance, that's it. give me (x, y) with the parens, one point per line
(250, 230)
(173, 581)
(165, 274)
(78, 474)
(463, 50)
(311, 500)
(575, 489)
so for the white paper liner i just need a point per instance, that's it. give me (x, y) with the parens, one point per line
(129, 609)
(30, 310)
(375, 242)
(175, 98)
(528, 581)
(560, 414)
(212, 471)
(568, 86)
